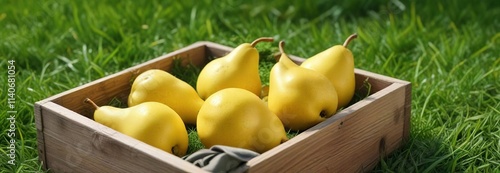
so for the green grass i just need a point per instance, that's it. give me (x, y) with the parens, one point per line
(449, 50)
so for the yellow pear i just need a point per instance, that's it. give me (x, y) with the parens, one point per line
(337, 64)
(238, 118)
(160, 86)
(238, 69)
(300, 97)
(150, 122)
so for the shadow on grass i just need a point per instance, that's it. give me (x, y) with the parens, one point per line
(421, 153)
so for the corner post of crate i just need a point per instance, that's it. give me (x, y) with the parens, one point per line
(40, 133)
(407, 112)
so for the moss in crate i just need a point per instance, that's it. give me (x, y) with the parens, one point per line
(188, 73)
(290, 134)
(194, 143)
(115, 102)
(266, 61)
(361, 93)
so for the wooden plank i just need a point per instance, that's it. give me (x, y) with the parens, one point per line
(92, 147)
(379, 77)
(382, 81)
(65, 157)
(217, 50)
(348, 142)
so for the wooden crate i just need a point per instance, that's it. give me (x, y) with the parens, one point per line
(353, 140)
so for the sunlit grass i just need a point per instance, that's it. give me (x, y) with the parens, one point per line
(449, 50)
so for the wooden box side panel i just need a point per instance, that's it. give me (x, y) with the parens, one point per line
(74, 143)
(351, 141)
(377, 82)
(118, 85)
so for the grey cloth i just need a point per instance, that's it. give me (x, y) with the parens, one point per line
(221, 159)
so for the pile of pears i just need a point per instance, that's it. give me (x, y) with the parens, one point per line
(228, 106)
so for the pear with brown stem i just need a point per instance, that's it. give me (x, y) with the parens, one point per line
(337, 64)
(238, 69)
(300, 97)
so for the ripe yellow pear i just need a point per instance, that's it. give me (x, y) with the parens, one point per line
(238, 69)
(238, 118)
(300, 97)
(160, 86)
(150, 122)
(337, 64)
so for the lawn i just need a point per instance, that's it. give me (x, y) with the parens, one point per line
(449, 51)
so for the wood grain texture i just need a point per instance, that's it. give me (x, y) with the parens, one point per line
(351, 141)
(75, 143)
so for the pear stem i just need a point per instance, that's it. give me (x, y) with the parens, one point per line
(281, 45)
(88, 101)
(277, 57)
(351, 37)
(266, 39)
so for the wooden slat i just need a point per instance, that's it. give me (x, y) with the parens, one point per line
(351, 141)
(383, 81)
(87, 146)
(217, 50)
